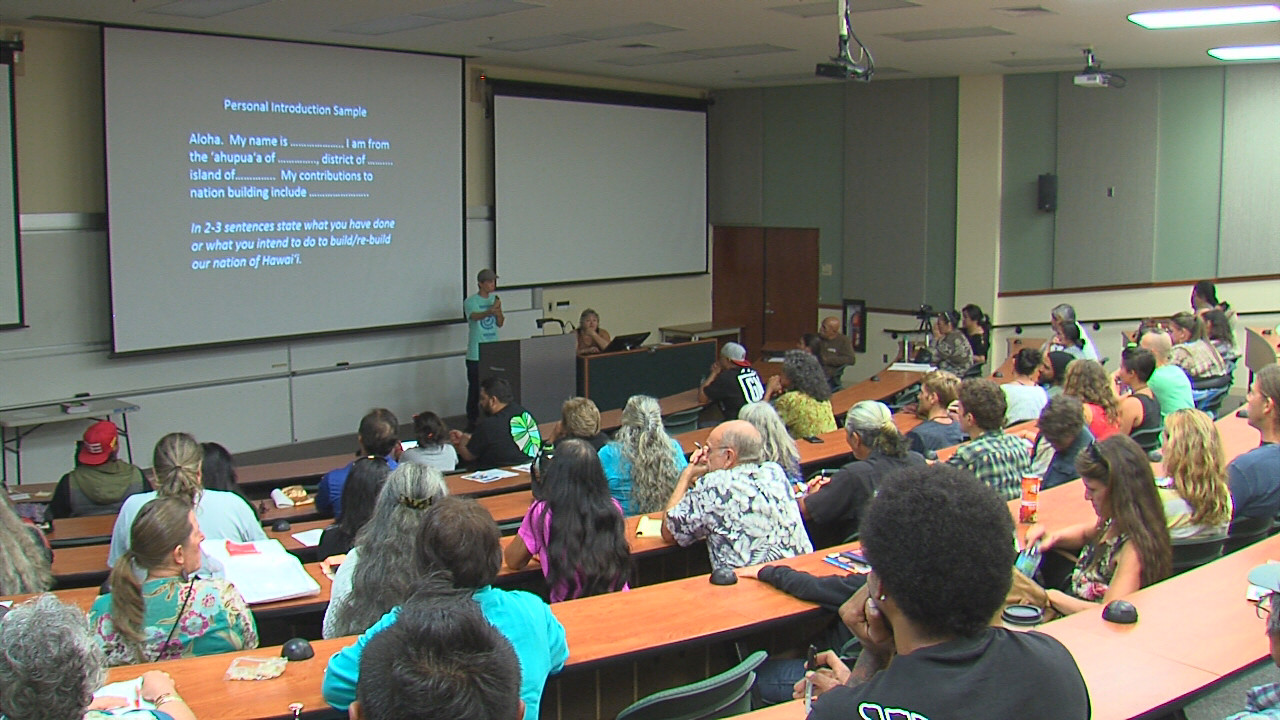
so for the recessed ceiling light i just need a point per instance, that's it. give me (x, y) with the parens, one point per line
(203, 8)
(1250, 52)
(388, 25)
(476, 10)
(1206, 17)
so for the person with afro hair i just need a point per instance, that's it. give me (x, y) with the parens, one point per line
(940, 544)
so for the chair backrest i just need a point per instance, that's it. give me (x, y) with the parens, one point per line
(1188, 554)
(723, 695)
(1246, 531)
(681, 422)
(1148, 439)
(1210, 400)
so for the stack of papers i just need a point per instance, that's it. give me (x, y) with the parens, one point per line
(262, 570)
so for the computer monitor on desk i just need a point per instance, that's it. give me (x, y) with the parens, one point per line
(627, 342)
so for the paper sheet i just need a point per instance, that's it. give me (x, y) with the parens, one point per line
(649, 527)
(488, 476)
(309, 538)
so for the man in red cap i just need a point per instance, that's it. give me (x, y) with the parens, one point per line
(101, 481)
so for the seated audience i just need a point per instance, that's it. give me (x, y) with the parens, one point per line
(939, 545)
(592, 338)
(726, 471)
(1217, 329)
(732, 382)
(801, 395)
(1023, 394)
(374, 577)
(1168, 382)
(218, 471)
(951, 349)
(810, 343)
(1204, 297)
(1254, 477)
(833, 507)
(579, 418)
(50, 668)
(177, 463)
(171, 613)
(778, 446)
(1062, 318)
(574, 528)
(433, 449)
(1262, 702)
(1127, 548)
(642, 461)
(359, 496)
(459, 543)
(506, 435)
(1197, 501)
(1088, 382)
(1138, 410)
(1053, 371)
(1062, 427)
(938, 389)
(995, 458)
(977, 329)
(1192, 351)
(441, 660)
(377, 436)
(100, 481)
(1070, 341)
(835, 352)
(26, 558)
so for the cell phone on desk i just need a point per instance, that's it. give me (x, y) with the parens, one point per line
(814, 439)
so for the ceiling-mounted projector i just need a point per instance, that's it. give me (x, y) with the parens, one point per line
(843, 66)
(1093, 76)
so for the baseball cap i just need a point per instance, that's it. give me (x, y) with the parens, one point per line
(486, 275)
(735, 352)
(100, 441)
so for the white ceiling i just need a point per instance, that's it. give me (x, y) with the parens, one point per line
(782, 46)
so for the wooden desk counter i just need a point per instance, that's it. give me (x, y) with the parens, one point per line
(890, 383)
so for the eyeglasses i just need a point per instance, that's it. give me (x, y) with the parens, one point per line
(1263, 607)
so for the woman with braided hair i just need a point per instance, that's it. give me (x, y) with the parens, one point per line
(643, 461)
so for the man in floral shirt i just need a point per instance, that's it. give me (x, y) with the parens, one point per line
(744, 508)
(1263, 701)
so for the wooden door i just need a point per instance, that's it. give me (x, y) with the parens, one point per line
(737, 279)
(790, 284)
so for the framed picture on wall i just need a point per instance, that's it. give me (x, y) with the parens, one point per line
(855, 323)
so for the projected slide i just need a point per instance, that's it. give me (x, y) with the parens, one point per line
(265, 189)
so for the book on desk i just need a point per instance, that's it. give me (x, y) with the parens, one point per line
(262, 570)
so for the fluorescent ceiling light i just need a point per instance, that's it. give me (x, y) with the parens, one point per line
(204, 8)
(1249, 52)
(1205, 17)
(388, 25)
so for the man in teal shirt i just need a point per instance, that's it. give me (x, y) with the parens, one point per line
(484, 317)
(1168, 383)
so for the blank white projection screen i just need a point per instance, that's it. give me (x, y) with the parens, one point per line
(589, 191)
(260, 189)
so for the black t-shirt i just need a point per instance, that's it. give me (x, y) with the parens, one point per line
(734, 388)
(494, 443)
(980, 343)
(835, 510)
(999, 674)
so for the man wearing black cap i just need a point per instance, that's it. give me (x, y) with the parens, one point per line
(101, 481)
(484, 317)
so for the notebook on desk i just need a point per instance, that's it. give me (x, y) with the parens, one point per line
(262, 570)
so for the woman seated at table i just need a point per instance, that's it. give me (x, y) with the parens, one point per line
(574, 527)
(938, 390)
(977, 329)
(1023, 394)
(1217, 328)
(218, 471)
(834, 506)
(51, 667)
(642, 462)
(592, 338)
(459, 549)
(1197, 501)
(1138, 410)
(778, 447)
(1191, 350)
(374, 577)
(433, 448)
(951, 349)
(24, 557)
(1128, 547)
(171, 613)
(1204, 297)
(938, 544)
(579, 418)
(359, 496)
(1088, 382)
(178, 463)
(802, 396)
(1069, 340)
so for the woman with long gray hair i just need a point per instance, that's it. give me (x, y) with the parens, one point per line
(375, 577)
(778, 446)
(642, 462)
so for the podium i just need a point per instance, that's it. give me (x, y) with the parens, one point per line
(542, 371)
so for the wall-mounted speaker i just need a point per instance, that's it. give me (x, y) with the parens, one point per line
(1047, 193)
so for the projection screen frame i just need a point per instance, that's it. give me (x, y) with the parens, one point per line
(11, 117)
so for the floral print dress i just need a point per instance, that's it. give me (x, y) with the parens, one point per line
(181, 619)
(1096, 566)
